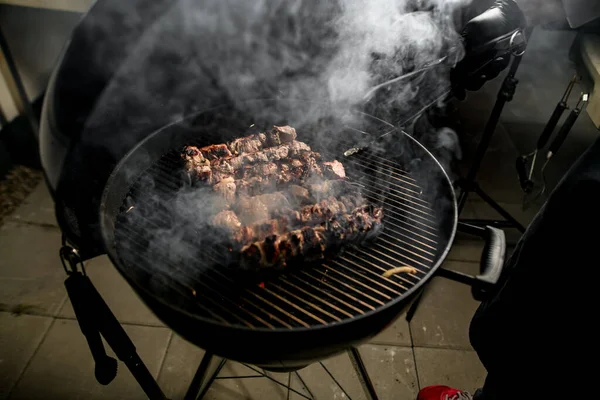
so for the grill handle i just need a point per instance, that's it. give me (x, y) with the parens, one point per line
(492, 261)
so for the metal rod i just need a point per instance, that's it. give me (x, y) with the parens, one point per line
(492, 222)
(456, 276)
(276, 381)
(335, 380)
(363, 375)
(504, 94)
(200, 384)
(498, 208)
(304, 384)
(333, 306)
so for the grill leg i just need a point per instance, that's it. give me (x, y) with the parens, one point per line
(207, 371)
(362, 373)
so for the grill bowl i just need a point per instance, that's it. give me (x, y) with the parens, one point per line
(301, 315)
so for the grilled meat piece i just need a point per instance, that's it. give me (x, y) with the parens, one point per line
(245, 164)
(257, 208)
(248, 144)
(227, 219)
(281, 134)
(334, 168)
(298, 194)
(335, 187)
(277, 250)
(260, 230)
(268, 177)
(286, 218)
(251, 210)
(313, 243)
(215, 151)
(270, 154)
(226, 188)
(286, 203)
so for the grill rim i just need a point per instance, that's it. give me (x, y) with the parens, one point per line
(107, 224)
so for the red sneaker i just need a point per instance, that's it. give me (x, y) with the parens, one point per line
(440, 392)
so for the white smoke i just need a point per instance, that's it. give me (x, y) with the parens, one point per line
(198, 54)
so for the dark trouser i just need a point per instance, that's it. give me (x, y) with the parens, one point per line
(537, 335)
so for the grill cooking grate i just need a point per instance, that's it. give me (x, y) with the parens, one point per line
(326, 293)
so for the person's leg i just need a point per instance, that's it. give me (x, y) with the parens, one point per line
(547, 283)
(532, 332)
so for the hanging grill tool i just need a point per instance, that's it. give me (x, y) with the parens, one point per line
(526, 178)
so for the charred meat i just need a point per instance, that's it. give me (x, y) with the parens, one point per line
(286, 218)
(195, 156)
(228, 220)
(212, 171)
(282, 203)
(314, 243)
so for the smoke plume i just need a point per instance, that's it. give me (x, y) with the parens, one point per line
(188, 56)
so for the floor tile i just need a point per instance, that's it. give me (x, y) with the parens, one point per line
(392, 371)
(445, 311)
(31, 273)
(120, 297)
(460, 369)
(64, 369)
(398, 333)
(390, 367)
(20, 336)
(227, 386)
(38, 208)
(466, 248)
(322, 386)
(178, 369)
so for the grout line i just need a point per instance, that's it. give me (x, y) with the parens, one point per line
(164, 356)
(25, 312)
(429, 347)
(62, 305)
(44, 336)
(383, 343)
(73, 318)
(412, 350)
(470, 350)
(31, 223)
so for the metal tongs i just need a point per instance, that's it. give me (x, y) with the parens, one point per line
(525, 178)
(513, 43)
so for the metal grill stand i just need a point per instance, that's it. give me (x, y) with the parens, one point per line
(211, 365)
(468, 185)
